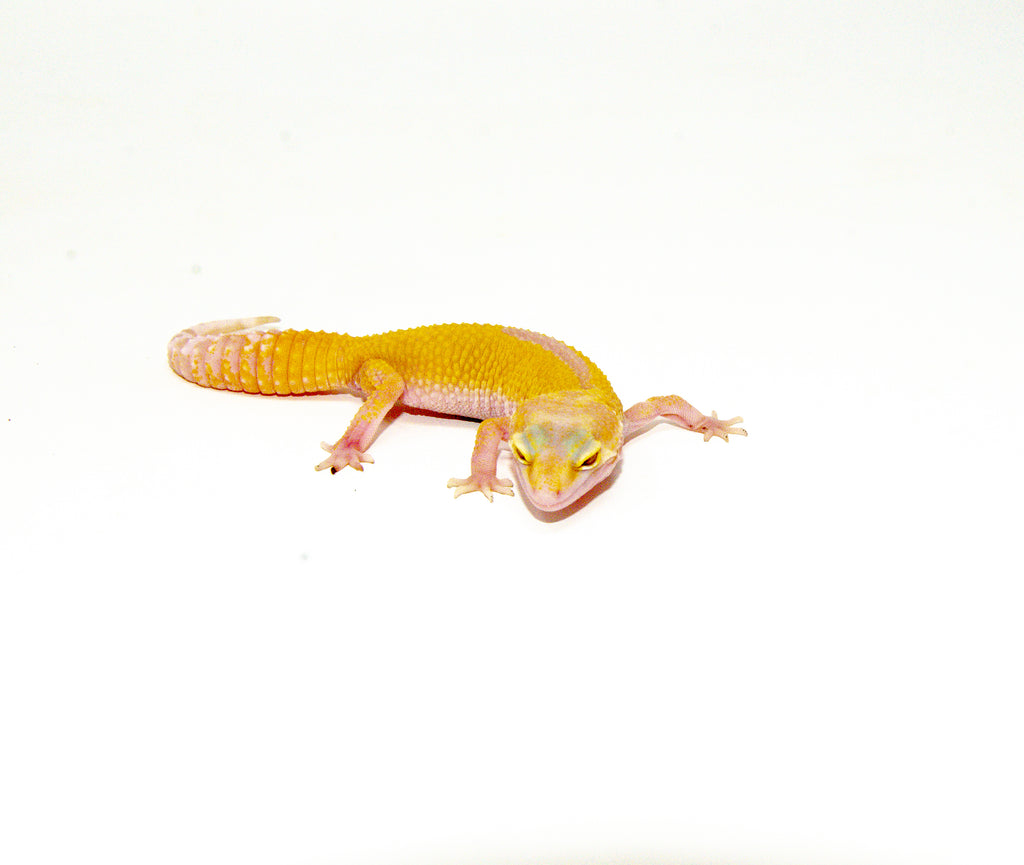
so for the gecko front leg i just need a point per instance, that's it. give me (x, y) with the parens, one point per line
(483, 465)
(383, 387)
(678, 409)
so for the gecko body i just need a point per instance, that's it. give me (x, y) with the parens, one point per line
(549, 403)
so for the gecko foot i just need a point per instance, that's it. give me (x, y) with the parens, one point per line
(481, 483)
(342, 455)
(712, 426)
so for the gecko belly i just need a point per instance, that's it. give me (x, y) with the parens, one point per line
(453, 400)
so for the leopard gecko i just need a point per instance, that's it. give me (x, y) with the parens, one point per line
(551, 405)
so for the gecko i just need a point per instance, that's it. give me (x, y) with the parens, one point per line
(544, 400)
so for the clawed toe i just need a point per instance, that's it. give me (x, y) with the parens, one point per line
(487, 486)
(342, 456)
(713, 426)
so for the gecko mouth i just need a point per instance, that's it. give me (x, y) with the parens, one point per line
(548, 502)
(554, 500)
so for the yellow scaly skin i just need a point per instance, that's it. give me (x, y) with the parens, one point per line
(550, 404)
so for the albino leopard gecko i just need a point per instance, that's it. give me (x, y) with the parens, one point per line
(552, 406)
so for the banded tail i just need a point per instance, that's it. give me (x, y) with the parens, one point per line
(238, 354)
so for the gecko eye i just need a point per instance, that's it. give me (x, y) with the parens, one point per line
(519, 453)
(590, 460)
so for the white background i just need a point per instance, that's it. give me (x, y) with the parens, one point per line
(801, 647)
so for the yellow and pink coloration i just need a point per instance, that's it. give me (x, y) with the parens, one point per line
(549, 403)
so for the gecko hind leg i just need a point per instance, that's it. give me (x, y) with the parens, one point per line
(383, 387)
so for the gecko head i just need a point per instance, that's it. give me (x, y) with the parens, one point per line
(563, 444)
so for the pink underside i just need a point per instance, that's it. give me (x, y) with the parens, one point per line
(446, 399)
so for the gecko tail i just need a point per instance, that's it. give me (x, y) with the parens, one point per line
(242, 354)
(221, 354)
